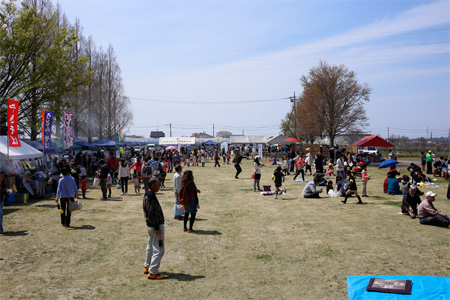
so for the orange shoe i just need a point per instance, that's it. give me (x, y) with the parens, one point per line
(155, 276)
(146, 270)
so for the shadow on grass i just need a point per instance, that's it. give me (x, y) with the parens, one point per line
(288, 199)
(82, 227)
(7, 210)
(16, 233)
(208, 232)
(47, 205)
(113, 200)
(181, 276)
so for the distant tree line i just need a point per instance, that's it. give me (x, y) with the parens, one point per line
(47, 64)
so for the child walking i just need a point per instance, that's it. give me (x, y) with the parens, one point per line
(365, 178)
(83, 186)
(352, 188)
(137, 185)
(109, 184)
(330, 171)
(278, 179)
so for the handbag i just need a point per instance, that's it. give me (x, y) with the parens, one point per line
(96, 181)
(253, 175)
(75, 205)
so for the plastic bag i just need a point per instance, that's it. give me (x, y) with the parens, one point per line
(333, 194)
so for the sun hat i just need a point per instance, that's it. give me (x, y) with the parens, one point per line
(412, 187)
(430, 194)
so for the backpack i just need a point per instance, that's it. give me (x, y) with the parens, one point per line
(156, 168)
(148, 169)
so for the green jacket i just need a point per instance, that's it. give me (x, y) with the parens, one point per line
(429, 157)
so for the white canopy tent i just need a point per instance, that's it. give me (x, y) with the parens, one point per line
(25, 151)
(278, 139)
(249, 139)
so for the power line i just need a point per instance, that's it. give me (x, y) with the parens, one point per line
(207, 102)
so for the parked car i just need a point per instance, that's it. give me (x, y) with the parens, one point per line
(369, 150)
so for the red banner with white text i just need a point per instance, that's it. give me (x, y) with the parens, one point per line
(13, 119)
(68, 130)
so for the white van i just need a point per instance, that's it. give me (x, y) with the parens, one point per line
(151, 147)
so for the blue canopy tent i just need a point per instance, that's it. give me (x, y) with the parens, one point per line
(83, 144)
(38, 146)
(104, 143)
(209, 143)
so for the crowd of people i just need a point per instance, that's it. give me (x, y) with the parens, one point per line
(149, 170)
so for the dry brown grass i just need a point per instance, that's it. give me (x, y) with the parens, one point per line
(248, 247)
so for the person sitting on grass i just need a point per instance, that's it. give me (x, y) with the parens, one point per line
(429, 215)
(393, 185)
(410, 202)
(341, 185)
(352, 188)
(310, 191)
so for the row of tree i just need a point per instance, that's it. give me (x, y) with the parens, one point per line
(332, 104)
(47, 64)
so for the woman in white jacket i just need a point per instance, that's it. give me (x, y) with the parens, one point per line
(124, 174)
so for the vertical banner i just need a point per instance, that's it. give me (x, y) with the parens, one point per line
(13, 119)
(46, 130)
(260, 150)
(68, 130)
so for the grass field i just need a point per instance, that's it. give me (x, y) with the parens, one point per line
(247, 247)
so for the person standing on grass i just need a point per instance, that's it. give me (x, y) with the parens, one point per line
(423, 160)
(429, 215)
(429, 159)
(319, 162)
(124, 174)
(147, 173)
(216, 158)
(309, 161)
(189, 190)
(177, 187)
(278, 178)
(365, 179)
(103, 176)
(237, 163)
(154, 218)
(66, 192)
(258, 165)
(299, 163)
(352, 188)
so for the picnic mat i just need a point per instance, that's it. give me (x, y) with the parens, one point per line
(423, 288)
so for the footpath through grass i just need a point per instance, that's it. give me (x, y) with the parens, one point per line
(248, 246)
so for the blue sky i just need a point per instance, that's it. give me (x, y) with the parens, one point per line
(234, 63)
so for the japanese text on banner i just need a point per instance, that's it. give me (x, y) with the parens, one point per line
(13, 119)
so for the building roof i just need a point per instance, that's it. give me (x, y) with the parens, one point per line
(157, 134)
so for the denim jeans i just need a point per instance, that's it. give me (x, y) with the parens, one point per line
(154, 251)
(435, 220)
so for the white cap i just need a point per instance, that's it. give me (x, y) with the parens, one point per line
(430, 194)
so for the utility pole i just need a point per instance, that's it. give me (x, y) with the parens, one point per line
(388, 132)
(170, 125)
(293, 100)
(213, 130)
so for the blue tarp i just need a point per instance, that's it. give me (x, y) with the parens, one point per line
(423, 288)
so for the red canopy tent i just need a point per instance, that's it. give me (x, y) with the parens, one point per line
(373, 141)
(291, 140)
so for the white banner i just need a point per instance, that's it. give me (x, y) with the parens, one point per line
(177, 141)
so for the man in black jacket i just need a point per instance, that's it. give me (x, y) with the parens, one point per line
(103, 176)
(154, 218)
(410, 202)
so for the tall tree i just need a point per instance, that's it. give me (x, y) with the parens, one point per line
(332, 102)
